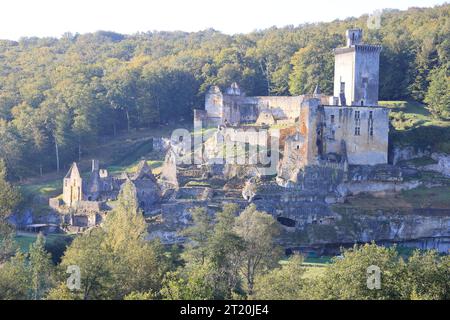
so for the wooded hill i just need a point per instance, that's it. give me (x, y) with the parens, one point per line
(58, 96)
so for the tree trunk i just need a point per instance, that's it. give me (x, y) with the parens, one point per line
(250, 277)
(265, 72)
(128, 119)
(57, 154)
(79, 149)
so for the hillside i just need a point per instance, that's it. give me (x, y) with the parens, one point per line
(62, 97)
(118, 154)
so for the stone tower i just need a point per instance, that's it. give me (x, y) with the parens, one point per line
(214, 105)
(356, 71)
(73, 186)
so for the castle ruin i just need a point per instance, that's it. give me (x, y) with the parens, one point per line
(349, 124)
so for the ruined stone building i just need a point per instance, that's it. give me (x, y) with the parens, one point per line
(348, 126)
(86, 199)
(326, 149)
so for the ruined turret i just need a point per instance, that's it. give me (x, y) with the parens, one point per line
(168, 178)
(293, 156)
(147, 189)
(72, 186)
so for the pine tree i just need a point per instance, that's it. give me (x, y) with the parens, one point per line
(41, 268)
(9, 199)
(258, 231)
(438, 95)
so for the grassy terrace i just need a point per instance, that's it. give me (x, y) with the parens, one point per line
(415, 126)
(421, 198)
(24, 240)
(119, 154)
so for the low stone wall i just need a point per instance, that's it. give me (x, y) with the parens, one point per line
(407, 153)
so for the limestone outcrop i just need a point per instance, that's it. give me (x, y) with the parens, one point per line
(442, 166)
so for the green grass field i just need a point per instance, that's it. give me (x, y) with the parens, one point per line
(24, 240)
(47, 188)
(156, 166)
(415, 126)
(411, 114)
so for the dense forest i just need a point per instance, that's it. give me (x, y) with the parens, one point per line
(57, 96)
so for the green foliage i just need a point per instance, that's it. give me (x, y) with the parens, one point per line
(86, 252)
(212, 256)
(422, 276)
(238, 249)
(193, 283)
(117, 260)
(314, 65)
(139, 296)
(10, 197)
(285, 283)
(62, 292)
(438, 94)
(220, 257)
(61, 96)
(14, 278)
(27, 276)
(198, 234)
(41, 268)
(427, 276)
(224, 253)
(258, 231)
(347, 278)
(414, 125)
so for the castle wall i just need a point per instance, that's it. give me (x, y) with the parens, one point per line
(241, 109)
(367, 62)
(280, 107)
(236, 109)
(344, 72)
(358, 67)
(370, 147)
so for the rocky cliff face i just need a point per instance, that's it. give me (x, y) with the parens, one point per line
(407, 153)
(354, 225)
(442, 166)
(314, 211)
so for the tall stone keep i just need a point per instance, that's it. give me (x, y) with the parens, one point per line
(356, 71)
